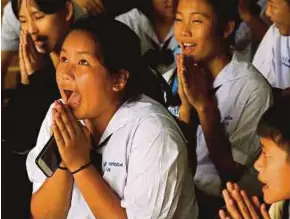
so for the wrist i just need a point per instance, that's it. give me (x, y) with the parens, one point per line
(83, 167)
(74, 167)
(207, 106)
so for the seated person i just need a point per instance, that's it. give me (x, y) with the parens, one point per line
(153, 22)
(144, 164)
(272, 58)
(226, 96)
(26, 109)
(252, 29)
(273, 166)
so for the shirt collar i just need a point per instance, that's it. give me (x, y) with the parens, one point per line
(230, 72)
(147, 25)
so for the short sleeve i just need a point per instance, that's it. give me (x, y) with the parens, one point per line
(35, 175)
(245, 141)
(263, 59)
(10, 30)
(156, 171)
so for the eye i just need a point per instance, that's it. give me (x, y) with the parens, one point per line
(63, 59)
(38, 16)
(178, 19)
(83, 62)
(196, 21)
(22, 21)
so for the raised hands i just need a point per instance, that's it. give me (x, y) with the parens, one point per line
(30, 59)
(72, 138)
(240, 206)
(194, 85)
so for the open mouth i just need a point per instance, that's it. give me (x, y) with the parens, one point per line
(187, 47)
(72, 98)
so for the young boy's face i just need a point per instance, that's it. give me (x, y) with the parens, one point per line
(273, 166)
(279, 12)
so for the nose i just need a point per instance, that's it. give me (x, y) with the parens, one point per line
(186, 31)
(32, 28)
(65, 73)
(257, 164)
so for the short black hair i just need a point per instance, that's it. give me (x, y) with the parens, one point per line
(275, 124)
(45, 6)
(226, 11)
(121, 49)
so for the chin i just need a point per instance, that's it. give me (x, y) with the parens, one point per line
(284, 31)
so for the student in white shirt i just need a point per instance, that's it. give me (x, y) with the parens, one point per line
(153, 23)
(272, 58)
(227, 95)
(273, 166)
(144, 162)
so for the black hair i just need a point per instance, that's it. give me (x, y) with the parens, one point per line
(45, 6)
(121, 49)
(226, 10)
(275, 124)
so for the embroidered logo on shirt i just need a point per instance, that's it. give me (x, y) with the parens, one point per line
(109, 165)
(286, 61)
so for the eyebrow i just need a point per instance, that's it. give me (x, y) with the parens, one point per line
(82, 52)
(195, 13)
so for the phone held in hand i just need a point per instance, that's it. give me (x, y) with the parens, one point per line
(49, 158)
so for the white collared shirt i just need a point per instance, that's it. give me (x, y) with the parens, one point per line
(144, 162)
(243, 95)
(272, 58)
(141, 25)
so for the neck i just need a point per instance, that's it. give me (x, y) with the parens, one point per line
(162, 26)
(216, 64)
(98, 125)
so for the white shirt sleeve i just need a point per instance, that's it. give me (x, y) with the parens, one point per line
(35, 175)
(245, 141)
(263, 59)
(156, 170)
(10, 30)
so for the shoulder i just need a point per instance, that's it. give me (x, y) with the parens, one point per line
(148, 117)
(132, 18)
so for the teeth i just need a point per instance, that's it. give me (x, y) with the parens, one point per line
(189, 44)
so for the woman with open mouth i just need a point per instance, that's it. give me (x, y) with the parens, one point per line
(144, 169)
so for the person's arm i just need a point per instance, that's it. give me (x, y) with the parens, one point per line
(53, 198)
(217, 142)
(257, 26)
(103, 202)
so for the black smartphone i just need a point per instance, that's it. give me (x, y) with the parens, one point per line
(48, 159)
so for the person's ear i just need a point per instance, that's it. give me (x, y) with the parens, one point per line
(229, 29)
(120, 80)
(69, 11)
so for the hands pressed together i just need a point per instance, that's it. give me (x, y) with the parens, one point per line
(193, 84)
(72, 138)
(30, 59)
(240, 206)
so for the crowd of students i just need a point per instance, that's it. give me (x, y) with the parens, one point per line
(192, 121)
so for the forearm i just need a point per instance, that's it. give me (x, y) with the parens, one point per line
(218, 144)
(52, 200)
(101, 199)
